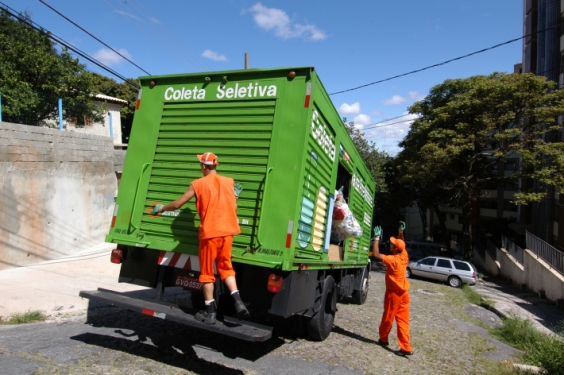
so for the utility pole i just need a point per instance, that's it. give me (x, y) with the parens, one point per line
(246, 60)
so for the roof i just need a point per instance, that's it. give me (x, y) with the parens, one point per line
(111, 99)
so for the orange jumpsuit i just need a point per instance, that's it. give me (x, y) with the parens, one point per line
(396, 300)
(216, 205)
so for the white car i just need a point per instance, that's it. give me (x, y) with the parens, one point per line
(454, 272)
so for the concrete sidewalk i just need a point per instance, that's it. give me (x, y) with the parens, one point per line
(53, 286)
(510, 301)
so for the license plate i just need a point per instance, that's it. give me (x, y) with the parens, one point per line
(188, 282)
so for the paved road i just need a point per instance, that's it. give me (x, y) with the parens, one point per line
(98, 340)
(114, 341)
(136, 344)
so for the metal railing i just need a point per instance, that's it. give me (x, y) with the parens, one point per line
(548, 253)
(515, 251)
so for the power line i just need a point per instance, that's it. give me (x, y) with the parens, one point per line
(445, 62)
(376, 126)
(144, 32)
(145, 12)
(71, 21)
(62, 42)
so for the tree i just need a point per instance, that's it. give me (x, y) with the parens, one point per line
(33, 76)
(467, 127)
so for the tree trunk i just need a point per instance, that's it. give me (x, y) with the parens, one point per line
(423, 216)
(442, 224)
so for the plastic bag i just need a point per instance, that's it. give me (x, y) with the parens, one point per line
(344, 223)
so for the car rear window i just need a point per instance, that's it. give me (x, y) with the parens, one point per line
(462, 266)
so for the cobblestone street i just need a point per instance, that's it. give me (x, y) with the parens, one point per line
(445, 337)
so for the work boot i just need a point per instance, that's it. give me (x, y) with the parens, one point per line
(208, 315)
(241, 311)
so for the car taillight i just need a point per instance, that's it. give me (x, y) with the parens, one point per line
(117, 256)
(274, 283)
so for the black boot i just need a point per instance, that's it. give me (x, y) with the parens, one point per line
(241, 311)
(208, 315)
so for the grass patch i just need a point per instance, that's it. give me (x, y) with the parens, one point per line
(27, 317)
(540, 349)
(475, 298)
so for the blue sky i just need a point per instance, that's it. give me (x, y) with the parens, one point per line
(350, 44)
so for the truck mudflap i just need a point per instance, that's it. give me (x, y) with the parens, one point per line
(228, 326)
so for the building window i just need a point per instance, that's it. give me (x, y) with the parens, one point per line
(489, 204)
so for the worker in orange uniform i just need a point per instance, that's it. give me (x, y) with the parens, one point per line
(396, 299)
(216, 204)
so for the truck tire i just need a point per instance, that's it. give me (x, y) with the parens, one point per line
(359, 296)
(321, 324)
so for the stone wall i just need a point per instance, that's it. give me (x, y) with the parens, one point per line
(58, 190)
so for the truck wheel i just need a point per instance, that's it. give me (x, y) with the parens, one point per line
(320, 325)
(359, 296)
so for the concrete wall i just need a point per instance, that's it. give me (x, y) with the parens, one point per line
(534, 273)
(491, 265)
(541, 277)
(510, 268)
(58, 190)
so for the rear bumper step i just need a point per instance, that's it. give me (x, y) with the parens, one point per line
(240, 329)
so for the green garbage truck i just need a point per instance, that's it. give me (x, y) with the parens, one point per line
(278, 135)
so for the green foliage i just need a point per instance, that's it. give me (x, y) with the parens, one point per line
(33, 76)
(27, 317)
(467, 127)
(540, 349)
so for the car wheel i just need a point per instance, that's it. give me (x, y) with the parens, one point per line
(454, 282)
(321, 324)
(408, 272)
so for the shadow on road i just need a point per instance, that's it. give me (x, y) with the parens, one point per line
(176, 354)
(173, 343)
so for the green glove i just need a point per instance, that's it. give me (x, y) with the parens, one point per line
(157, 209)
(238, 189)
(402, 226)
(377, 231)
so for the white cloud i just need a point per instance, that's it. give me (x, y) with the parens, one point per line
(109, 57)
(349, 109)
(214, 55)
(361, 120)
(276, 20)
(154, 20)
(396, 99)
(387, 134)
(412, 96)
(376, 112)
